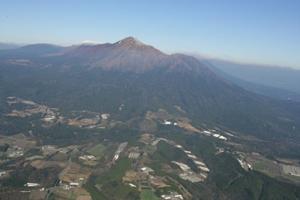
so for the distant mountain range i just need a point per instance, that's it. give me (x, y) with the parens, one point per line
(8, 45)
(142, 78)
(278, 82)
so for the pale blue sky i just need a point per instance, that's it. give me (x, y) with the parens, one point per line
(258, 31)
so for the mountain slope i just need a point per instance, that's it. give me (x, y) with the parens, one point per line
(140, 77)
(276, 77)
(8, 46)
(265, 90)
(30, 51)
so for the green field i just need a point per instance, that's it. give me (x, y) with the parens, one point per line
(148, 195)
(97, 151)
(111, 183)
(116, 172)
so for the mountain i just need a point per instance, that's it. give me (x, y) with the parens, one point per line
(8, 46)
(127, 54)
(30, 51)
(268, 90)
(103, 77)
(271, 76)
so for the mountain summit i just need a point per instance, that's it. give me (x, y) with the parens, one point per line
(130, 41)
(128, 54)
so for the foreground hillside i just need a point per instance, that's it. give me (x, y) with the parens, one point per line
(90, 155)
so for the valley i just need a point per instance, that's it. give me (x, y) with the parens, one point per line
(163, 156)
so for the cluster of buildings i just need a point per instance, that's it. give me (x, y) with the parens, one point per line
(70, 185)
(188, 174)
(87, 157)
(73, 176)
(93, 120)
(241, 158)
(14, 152)
(172, 196)
(134, 153)
(144, 178)
(31, 184)
(121, 148)
(50, 116)
(246, 166)
(211, 132)
(105, 116)
(166, 122)
(214, 134)
(49, 149)
(31, 108)
(2, 173)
